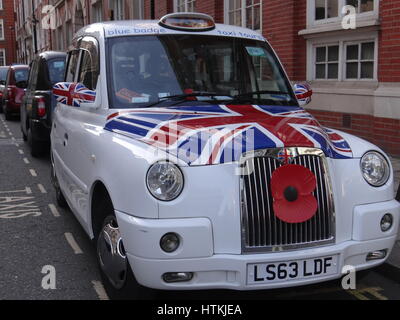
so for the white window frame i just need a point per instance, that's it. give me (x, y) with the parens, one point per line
(186, 5)
(1, 5)
(4, 56)
(342, 41)
(243, 14)
(311, 21)
(2, 29)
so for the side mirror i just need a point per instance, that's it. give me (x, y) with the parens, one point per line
(74, 94)
(22, 84)
(303, 93)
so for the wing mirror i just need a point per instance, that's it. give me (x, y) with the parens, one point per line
(303, 93)
(75, 95)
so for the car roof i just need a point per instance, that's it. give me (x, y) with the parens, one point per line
(109, 29)
(19, 66)
(52, 54)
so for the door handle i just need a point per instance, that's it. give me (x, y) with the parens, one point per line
(66, 136)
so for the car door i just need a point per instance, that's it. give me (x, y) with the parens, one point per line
(59, 135)
(77, 139)
(26, 106)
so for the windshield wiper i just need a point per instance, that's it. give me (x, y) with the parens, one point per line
(182, 97)
(260, 92)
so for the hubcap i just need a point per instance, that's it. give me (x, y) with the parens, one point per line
(111, 254)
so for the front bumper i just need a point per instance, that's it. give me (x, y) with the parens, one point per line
(229, 271)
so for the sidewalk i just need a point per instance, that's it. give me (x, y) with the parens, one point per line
(394, 258)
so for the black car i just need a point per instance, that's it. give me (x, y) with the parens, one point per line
(47, 68)
(398, 193)
(3, 77)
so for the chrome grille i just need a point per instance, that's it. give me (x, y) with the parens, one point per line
(261, 229)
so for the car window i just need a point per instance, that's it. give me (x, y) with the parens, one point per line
(89, 66)
(33, 75)
(3, 74)
(56, 70)
(72, 64)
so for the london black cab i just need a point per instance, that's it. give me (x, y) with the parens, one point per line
(47, 68)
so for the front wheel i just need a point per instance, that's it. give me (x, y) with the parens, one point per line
(116, 273)
(61, 202)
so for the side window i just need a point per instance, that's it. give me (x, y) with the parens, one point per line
(71, 67)
(89, 66)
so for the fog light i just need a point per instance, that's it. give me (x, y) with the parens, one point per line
(177, 276)
(376, 255)
(169, 242)
(386, 222)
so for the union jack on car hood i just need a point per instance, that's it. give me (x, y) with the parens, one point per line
(213, 134)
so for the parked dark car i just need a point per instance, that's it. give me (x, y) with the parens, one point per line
(47, 68)
(398, 193)
(14, 91)
(3, 77)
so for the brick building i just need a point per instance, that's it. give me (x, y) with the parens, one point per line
(7, 32)
(354, 73)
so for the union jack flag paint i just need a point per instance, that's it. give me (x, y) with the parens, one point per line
(303, 93)
(73, 94)
(215, 134)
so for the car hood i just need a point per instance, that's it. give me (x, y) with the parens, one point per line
(213, 134)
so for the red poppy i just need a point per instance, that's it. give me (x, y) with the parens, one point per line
(292, 186)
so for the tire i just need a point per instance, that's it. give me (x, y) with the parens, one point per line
(118, 279)
(37, 147)
(60, 199)
(7, 115)
(24, 136)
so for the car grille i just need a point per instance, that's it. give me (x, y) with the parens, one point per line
(261, 229)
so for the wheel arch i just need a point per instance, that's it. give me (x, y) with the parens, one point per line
(98, 194)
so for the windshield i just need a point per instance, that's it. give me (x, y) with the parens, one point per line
(145, 70)
(56, 70)
(21, 75)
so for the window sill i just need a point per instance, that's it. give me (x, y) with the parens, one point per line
(337, 26)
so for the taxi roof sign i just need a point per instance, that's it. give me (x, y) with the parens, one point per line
(188, 21)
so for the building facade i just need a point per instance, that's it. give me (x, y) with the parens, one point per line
(7, 33)
(348, 50)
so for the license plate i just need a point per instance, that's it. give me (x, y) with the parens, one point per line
(261, 273)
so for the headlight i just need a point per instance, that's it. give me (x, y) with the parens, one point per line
(375, 168)
(164, 180)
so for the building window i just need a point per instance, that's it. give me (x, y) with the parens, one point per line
(325, 9)
(137, 9)
(343, 59)
(184, 5)
(1, 5)
(2, 57)
(360, 60)
(244, 13)
(361, 5)
(1, 29)
(327, 62)
(118, 9)
(97, 12)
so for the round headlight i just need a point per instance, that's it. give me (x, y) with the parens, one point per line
(375, 168)
(164, 180)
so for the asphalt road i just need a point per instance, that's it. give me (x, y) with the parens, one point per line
(39, 239)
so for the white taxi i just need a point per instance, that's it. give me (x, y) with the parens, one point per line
(183, 150)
